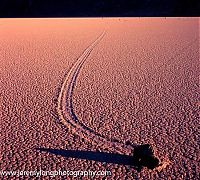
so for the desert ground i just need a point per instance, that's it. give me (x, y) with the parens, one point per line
(73, 92)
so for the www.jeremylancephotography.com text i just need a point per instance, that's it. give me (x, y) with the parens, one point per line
(55, 173)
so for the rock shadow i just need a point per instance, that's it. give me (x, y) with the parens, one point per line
(142, 156)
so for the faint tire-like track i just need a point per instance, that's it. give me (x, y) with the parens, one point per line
(65, 104)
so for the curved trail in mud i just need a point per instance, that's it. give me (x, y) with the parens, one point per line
(65, 105)
(70, 120)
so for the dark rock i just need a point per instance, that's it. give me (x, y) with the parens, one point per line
(144, 157)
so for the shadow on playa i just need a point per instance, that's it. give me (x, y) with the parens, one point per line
(142, 156)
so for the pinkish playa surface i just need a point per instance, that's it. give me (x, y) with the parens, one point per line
(75, 91)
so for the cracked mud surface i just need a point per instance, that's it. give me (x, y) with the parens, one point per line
(139, 84)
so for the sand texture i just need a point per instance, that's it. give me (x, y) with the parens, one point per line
(73, 92)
